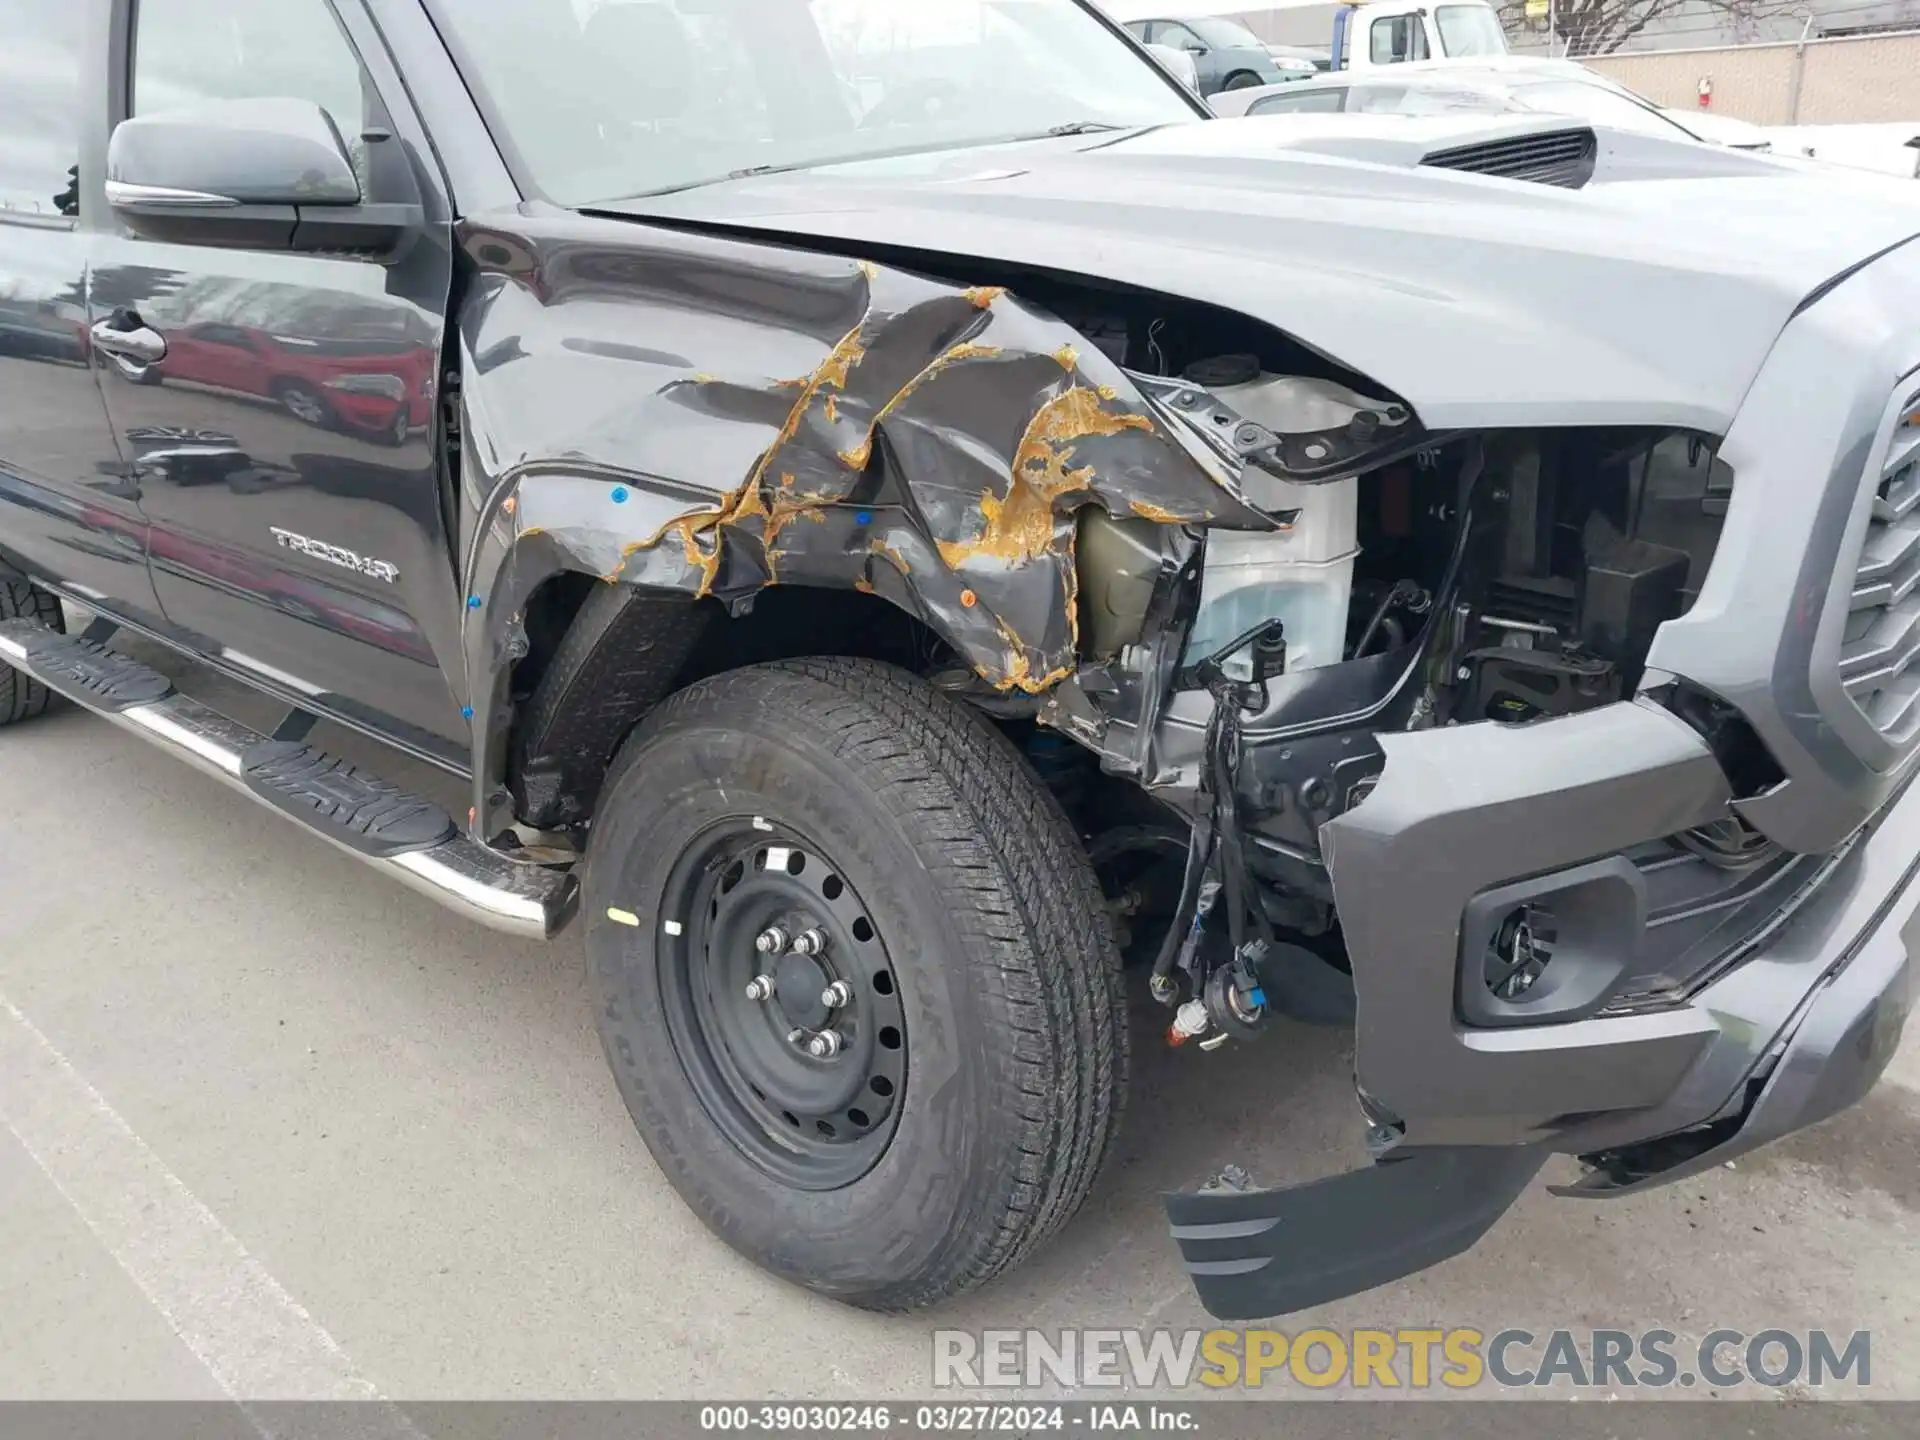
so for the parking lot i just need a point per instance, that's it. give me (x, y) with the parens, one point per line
(273, 1123)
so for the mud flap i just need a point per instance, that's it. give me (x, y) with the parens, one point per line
(1257, 1253)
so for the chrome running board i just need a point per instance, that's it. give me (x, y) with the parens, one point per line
(398, 834)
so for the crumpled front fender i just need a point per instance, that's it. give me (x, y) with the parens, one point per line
(711, 417)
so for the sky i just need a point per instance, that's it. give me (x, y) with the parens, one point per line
(38, 81)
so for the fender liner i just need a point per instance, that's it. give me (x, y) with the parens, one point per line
(620, 655)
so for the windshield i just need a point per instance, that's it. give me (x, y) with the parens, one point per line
(609, 99)
(1224, 34)
(1600, 105)
(1469, 30)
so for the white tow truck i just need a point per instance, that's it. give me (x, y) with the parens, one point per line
(1358, 37)
(1391, 32)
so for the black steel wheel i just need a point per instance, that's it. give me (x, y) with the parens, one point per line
(782, 1006)
(854, 978)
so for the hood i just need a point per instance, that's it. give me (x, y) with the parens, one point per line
(1650, 296)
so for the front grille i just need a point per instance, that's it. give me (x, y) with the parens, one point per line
(1558, 157)
(1712, 900)
(1880, 647)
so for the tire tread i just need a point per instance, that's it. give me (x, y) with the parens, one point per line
(22, 698)
(1024, 899)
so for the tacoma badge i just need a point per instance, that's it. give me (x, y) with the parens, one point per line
(336, 555)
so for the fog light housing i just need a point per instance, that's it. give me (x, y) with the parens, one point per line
(1520, 951)
(1553, 948)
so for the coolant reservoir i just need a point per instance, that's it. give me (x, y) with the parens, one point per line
(1301, 575)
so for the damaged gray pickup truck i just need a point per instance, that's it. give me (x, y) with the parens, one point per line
(898, 514)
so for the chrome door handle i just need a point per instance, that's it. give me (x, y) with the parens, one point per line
(140, 344)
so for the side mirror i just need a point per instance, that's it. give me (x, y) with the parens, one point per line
(257, 174)
(1194, 47)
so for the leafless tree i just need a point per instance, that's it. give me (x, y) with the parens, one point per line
(1599, 27)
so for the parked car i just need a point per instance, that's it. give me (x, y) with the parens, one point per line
(886, 556)
(1725, 130)
(1179, 64)
(1293, 69)
(1315, 59)
(1888, 149)
(1227, 55)
(375, 385)
(40, 328)
(1520, 85)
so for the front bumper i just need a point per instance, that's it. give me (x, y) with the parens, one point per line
(1801, 1028)
(1673, 1027)
(366, 412)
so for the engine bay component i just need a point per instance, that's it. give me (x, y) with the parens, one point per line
(1512, 685)
(1120, 560)
(1302, 574)
(1629, 590)
(1298, 428)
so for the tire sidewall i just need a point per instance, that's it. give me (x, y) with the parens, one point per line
(673, 784)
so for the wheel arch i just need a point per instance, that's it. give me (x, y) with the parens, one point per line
(834, 425)
(594, 659)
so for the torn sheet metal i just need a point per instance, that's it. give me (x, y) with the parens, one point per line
(712, 417)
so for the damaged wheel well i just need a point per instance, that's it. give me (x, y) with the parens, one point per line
(600, 656)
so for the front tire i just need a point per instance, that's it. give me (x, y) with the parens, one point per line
(1241, 80)
(20, 697)
(978, 1087)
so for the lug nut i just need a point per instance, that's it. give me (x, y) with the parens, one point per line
(809, 942)
(771, 941)
(825, 1045)
(837, 994)
(796, 1037)
(760, 988)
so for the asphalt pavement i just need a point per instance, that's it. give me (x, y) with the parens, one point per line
(271, 1125)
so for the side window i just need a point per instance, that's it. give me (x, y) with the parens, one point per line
(1424, 100)
(1305, 102)
(39, 107)
(1178, 36)
(217, 334)
(186, 52)
(1397, 38)
(1378, 100)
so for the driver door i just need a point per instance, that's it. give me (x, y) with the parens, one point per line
(298, 528)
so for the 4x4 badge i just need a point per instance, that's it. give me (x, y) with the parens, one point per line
(336, 555)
